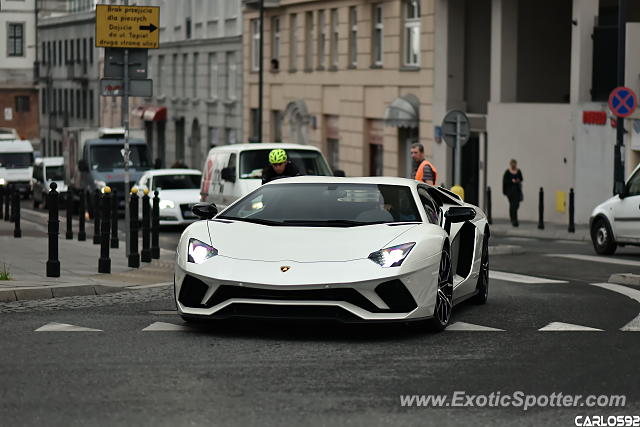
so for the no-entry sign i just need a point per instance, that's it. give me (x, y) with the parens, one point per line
(622, 101)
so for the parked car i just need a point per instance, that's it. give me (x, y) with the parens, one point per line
(45, 171)
(352, 249)
(616, 222)
(178, 190)
(233, 171)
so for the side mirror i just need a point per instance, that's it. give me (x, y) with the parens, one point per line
(83, 166)
(204, 210)
(339, 172)
(459, 214)
(228, 174)
(621, 189)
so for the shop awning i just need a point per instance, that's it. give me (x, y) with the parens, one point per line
(403, 112)
(150, 113)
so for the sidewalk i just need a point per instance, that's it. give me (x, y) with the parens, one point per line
(552, 231)
(25, 259)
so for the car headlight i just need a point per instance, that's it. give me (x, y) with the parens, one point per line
(393, 256)
(199, 252)
(2, 181)
(166, 204)
(100, 184)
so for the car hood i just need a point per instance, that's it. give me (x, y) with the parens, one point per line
(180, 196)
(244, 240)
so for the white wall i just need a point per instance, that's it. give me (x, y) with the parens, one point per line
(538, 136)
(18, 11)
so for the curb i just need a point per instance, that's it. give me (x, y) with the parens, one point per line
(628, 279)
(541, 235)
(49, 292)
(506, 250)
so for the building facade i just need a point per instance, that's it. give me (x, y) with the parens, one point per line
(18, 94)
(352, 77)
(197, 73)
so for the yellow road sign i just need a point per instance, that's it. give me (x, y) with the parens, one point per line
(133, 27)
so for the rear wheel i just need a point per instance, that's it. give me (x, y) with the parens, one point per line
(602, 237)
(483, 277)
(444, 296)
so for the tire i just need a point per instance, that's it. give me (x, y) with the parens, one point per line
(444, 295)
(482, 287)
(602, 237)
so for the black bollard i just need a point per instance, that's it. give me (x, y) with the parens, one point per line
(96, 217)
(488, 204)
(114, 220)
(134, 256)
(17, 232)
(104, 263)
(82, 235)
(155, 227)
(69, 234)
(2, 201)
(572, 225)
(53, 264)
(541, 209)
(145, 254)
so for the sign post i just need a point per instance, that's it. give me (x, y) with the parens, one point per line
(622, 103)
(120, 28)
(456, 132)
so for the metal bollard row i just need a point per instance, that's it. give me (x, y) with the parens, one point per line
(7, 203)
(572, 225)
(541, 209)
(145, 254)
(104, 263)
(134, 256)
(53, 264)
(114, 220)
(96, 217)
(155, 227)
(69, 234)
(82, 235)
(2, 190)
(17, 232)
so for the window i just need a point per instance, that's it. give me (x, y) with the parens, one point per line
(66, 52)
(322, 40)
(160, 72)
(255, 44)
(185, 61)
(60, 110)
(353, 36)
(232, 69)
(334, 38)
(72, 55)
(91, 104)
(633, 186)
(276, 126)
(255, 124)
(78, 103)
(378, 34)
(91, 50)
(293, 44)
(308, 41)
(275, 43)
(44, 53)
(194, 80)
(84, 50)
(59, 52)
(430, 206)
(174, 75)
(66, 102)
(84, 103)
(22, 104)
(213, 76)
(15, 39)
(71, 104)
(187, 28)
(43, 100)
(49, 57)
(79, 59)
(412, 32)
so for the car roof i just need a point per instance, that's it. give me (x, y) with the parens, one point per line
(16, 146)
(385, 180)
(50, 161)
(170, 171)
(263, 146)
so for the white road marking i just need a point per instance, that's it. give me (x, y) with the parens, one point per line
(163, 312)
(64, 327)
(163, 326)
(520, 278)
(634, 294)
(602, 259)
(559, 326)
(463, 326)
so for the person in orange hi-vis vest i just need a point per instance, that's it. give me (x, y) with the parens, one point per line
(423, 170)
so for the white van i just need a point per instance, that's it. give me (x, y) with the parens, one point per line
(233, 171)
(45, 171)
(16, 164)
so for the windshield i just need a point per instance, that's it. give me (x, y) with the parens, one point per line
(109, 157)
(55, 173)
(329, 205)
(309, 162)
(176, 182)
(16, 160)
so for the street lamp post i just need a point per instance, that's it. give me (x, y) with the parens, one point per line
(261, 72)
(618, 153)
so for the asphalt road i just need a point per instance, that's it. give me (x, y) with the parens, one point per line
(276, 373)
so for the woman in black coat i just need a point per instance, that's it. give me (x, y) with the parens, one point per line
(512, 188)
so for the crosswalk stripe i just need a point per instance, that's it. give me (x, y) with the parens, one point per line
(463, 326)
(559, 326)
(164, 326)
(634, 294)
(601, 259)
(64, 327)
(520, 278)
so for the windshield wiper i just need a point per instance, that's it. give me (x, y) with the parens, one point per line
(329, 222)
(252, 220)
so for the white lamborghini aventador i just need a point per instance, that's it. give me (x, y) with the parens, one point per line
(352, 249)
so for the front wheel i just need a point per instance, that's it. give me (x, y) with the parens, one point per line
(444, 295)
(602, 237)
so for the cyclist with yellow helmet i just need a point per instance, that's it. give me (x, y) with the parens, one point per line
(279, 166)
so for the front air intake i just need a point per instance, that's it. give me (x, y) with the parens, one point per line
(396, 295)
(192, 292)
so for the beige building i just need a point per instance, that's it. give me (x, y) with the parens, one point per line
(352, 77)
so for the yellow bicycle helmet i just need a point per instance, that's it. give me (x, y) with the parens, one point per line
(277, 155)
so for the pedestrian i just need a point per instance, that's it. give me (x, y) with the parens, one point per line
(512, 188)
(423, 170)
(278, 167)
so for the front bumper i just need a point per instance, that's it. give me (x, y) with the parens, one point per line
(386, 297)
